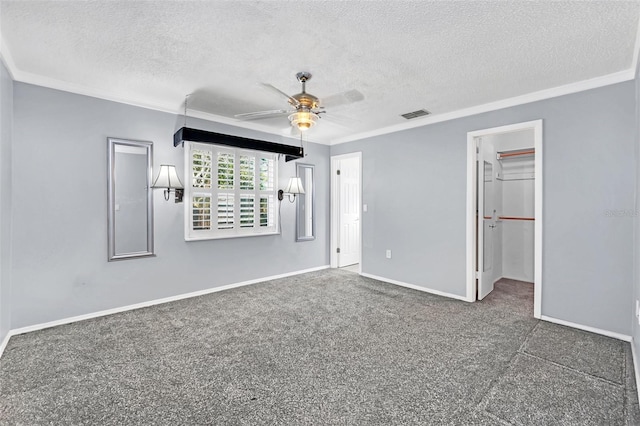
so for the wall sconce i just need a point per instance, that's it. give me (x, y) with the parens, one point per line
(169, 180)
(293, 187)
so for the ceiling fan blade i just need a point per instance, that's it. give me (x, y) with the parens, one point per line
(343, 98)
(262, 114)
(338, 120)
(292, 101)
(291, 131)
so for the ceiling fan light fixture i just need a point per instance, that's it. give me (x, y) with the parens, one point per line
(303, 120)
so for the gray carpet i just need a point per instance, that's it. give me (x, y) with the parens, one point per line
(329, 347)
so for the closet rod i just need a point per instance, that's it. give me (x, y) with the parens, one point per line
(512, 218)
(515, 153)
(516, 218)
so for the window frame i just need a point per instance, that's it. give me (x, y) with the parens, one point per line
(237, 230)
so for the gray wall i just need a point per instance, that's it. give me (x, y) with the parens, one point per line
(60, 249)
(415, 188)
(60, 234)
(6, 124)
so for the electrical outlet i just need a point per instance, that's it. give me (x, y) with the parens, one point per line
(388, 254)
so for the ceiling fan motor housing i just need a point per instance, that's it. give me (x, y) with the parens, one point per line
(306, 101)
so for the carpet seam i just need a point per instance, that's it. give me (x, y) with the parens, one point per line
(494, 417)
(481, 404)
(625, 398)
(528, 336)
(582, 373)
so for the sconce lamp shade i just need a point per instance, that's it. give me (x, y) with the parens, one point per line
(294, 186)
(169, 181)
(167, 178)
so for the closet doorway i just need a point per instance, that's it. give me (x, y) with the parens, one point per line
(504, 208)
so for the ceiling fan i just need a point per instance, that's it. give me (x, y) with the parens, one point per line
(306, 108)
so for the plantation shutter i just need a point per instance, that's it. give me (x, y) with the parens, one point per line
(231, 192)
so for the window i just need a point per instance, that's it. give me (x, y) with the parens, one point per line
(229, 192)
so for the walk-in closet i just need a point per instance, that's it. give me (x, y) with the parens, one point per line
(506, 198)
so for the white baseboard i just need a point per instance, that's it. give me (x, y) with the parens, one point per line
(3, 344)
(607, 333)
(635, 367)
(415, 287)
(69, 320)
(524, 280)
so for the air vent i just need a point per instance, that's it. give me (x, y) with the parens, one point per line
(416, 114)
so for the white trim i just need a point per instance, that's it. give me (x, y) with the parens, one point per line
(170, 108)
(416, 287)
(539, 200)
(523, 279)
(566, 89)
(7, 60)
(536, 126)
(553, 92)
(607, 333)
(472, 172)
(4, 343)
(158, 301)
(335, 197)
(51, 83)
(636, 51)
(635, 366)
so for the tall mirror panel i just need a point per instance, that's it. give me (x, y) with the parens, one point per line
(305, 208)
(130, 199)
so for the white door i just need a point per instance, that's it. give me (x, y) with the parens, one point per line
(486, 227)
(348, 179)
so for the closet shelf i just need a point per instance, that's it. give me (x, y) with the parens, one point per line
(516, 176)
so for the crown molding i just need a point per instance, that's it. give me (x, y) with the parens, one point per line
(51, 83)
(39, 80)
(580, 86)
(636, 51)
(7, 59)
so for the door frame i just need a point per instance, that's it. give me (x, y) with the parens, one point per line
(472, 156)
(335, 208)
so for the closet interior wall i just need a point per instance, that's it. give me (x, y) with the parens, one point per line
(516, 179)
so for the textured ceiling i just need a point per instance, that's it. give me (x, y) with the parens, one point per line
(401, 55)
